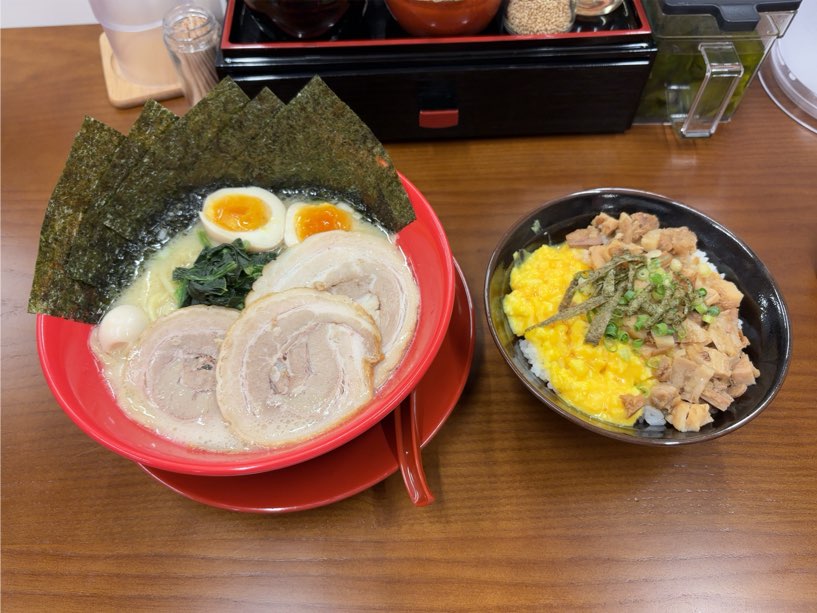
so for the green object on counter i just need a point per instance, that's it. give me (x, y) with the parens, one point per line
(680, 65)
(688, 45)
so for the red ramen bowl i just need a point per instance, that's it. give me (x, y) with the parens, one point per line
(77, 383)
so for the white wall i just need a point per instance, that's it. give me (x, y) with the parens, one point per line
(28, 13)
(25, 13)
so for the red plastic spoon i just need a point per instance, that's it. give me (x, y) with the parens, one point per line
(407, 433)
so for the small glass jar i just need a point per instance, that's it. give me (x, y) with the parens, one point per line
(526, 17)
(596, 8)
(191, 35)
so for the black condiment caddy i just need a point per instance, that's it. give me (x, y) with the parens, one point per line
(493, 84)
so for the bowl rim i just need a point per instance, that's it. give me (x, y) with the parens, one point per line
(611, 430)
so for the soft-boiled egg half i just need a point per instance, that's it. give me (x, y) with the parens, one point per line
(252, 214)
(307, 218)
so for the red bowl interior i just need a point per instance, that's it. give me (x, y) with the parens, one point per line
(76, 382)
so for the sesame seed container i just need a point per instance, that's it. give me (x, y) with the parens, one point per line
(539, 16)
(515, 68)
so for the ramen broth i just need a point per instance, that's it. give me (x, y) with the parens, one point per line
(155, 292)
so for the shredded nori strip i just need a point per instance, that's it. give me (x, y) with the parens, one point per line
(602, 317)
(607, 286)
(572, 311)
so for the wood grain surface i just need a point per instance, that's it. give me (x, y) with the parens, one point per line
(532, 512)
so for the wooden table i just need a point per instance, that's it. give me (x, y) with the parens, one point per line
(532, 512)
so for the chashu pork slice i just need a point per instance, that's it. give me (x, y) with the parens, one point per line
(367, 268)
(169, 380)
(295, 364)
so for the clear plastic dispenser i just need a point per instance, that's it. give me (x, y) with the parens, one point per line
(708, 53)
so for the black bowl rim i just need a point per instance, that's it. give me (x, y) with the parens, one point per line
(587, 421)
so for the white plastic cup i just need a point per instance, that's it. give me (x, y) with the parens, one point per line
(134, 31)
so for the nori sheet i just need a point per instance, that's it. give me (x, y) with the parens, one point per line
(151, 124)
(231, 157)
(53, 291)
(229, 161)
(138, 202)
(317, 140)
(125, 231)
(84, 261)
(129, 195)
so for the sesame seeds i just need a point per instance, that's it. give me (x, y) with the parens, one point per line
(539, 16)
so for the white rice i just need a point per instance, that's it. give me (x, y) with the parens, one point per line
(532, 356)
(704, 259)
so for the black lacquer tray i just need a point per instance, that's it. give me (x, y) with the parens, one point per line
(486, 85)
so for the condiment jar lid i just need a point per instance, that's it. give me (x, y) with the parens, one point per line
(732, 15)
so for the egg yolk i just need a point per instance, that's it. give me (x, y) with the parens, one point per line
(238, 212)
(321, 218)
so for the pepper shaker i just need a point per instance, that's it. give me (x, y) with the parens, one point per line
(191, 35)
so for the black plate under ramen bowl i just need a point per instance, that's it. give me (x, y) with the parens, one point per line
(762, 311)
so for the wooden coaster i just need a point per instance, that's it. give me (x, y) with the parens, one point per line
(124, 94)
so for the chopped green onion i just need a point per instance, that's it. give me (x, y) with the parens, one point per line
(629, 285)
(702, 292)
(710, 314)
(637, 342)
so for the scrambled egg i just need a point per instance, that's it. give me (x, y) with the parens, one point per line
(590, 377)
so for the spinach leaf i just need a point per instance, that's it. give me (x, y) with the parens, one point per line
(222, 275)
